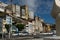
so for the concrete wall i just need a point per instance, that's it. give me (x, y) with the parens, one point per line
(56, 15)
(57, 26)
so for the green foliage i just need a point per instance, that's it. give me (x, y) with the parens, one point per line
(7, 26)
(20, 27)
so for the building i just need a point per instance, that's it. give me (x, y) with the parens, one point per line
(31, 14)
(2, 16)
(30, 27)
(35, 26)
(56, 15)
(20, 14)
(12, 13)
(48, 27)
(38, 24)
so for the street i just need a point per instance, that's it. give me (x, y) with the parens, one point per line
(23, 39)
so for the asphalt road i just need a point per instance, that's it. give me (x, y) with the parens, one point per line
(22, 38)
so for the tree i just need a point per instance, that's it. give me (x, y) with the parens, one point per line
(53, 26)
(7, 26)
(20, 27)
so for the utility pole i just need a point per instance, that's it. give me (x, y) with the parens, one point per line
(10, 32)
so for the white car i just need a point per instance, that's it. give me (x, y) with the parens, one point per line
(15, 34)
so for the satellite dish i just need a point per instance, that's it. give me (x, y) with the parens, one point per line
(57, 2)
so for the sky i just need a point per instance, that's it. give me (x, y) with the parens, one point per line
(41, 8)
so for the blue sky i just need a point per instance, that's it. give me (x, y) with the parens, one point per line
(41, 8)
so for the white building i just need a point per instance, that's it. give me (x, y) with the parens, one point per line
(38, 24)
(17, 11)
(31, 14)
(30, 28)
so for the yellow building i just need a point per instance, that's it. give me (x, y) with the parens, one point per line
(48, 27)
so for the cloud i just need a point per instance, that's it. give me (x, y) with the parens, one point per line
(38, 6)
(30, 3)
(31, 6)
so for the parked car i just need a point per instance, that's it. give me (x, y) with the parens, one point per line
(23, 33)
(19, 33)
